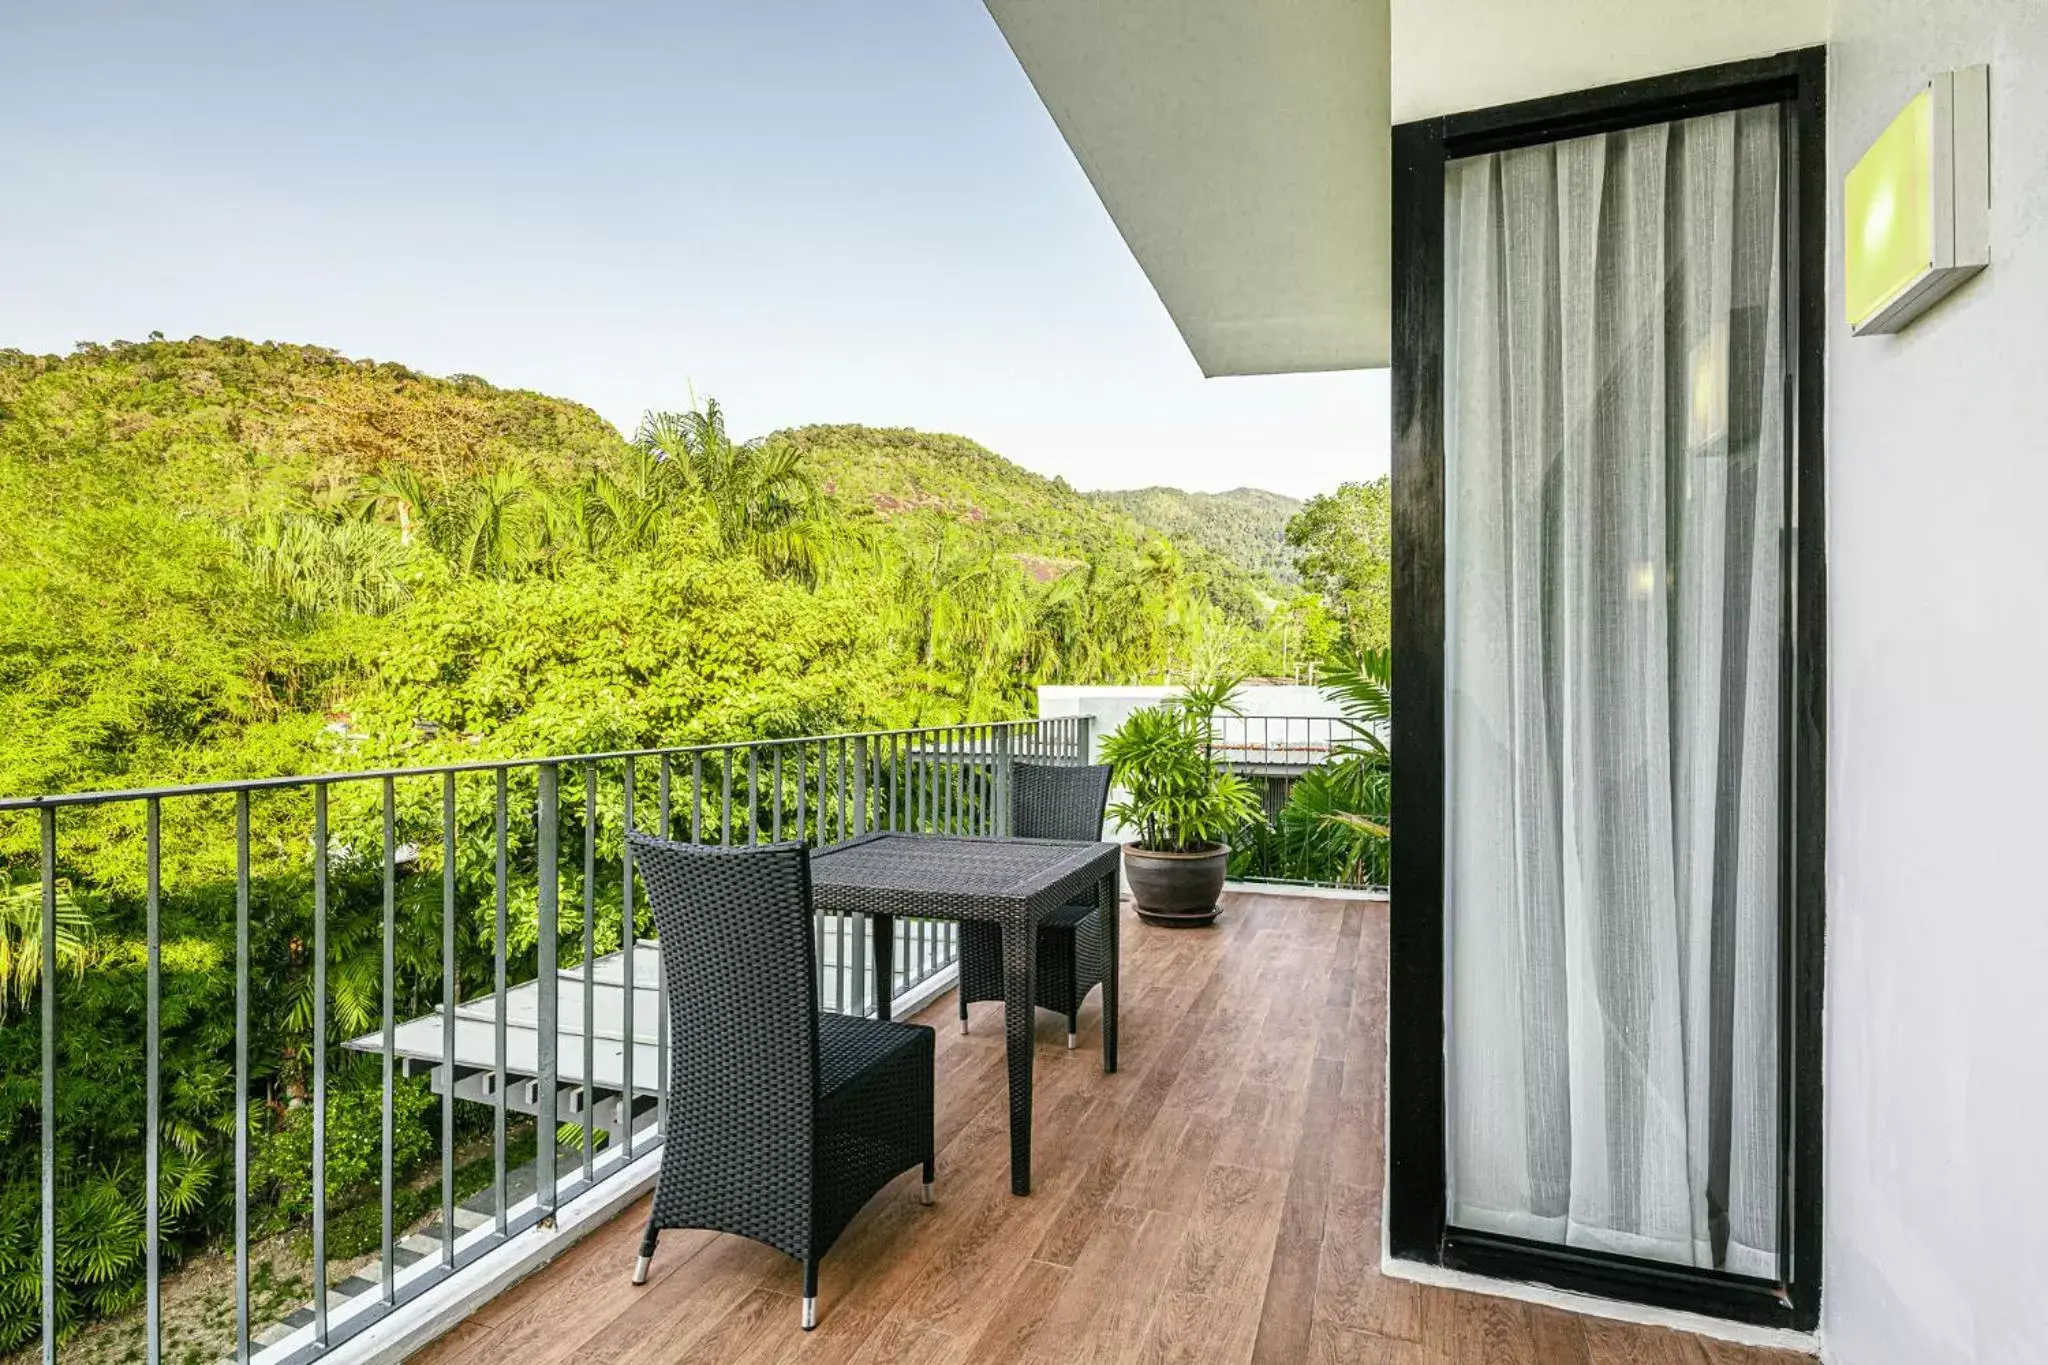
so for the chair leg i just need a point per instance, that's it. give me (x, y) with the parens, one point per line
(930, 1170)
(963, 1010)
(647, 1241)
(810, 1294)
(1073, 1028)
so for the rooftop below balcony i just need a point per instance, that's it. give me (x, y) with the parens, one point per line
(1215, 1200)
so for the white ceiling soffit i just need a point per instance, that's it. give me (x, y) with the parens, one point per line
(1453, 55)
(1241, 147)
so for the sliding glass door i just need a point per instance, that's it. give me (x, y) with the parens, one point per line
(1614, 445)
(1608, 631)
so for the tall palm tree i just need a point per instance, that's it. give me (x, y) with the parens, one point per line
(400, 493)
(757, 496)
(492, 533)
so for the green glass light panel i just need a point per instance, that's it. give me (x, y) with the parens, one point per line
(1915, 207)
(1888, 212)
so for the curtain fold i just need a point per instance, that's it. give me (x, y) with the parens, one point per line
(1614, 436)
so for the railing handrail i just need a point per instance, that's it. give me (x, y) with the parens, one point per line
(483, 765)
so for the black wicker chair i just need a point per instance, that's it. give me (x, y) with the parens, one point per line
(1048, 801)
(782, 1120)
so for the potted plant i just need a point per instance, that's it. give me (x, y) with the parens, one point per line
(1182, 806)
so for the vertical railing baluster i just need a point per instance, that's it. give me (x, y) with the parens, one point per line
(48, 1113)
(661, 1076)
(499, 1057)
(629, 934)
(725, 797)
(547, 803)
(152, 937)
(775, 831)
(896, 789)
(387, 1125)
(822, 824)
(840, 796)
(697, 798)
(802, 797)
(753, 795)
(1005, 774)
(860, 784)
(320, 1063)
(450, 989)
(661, 796)
(852, 978)
(242, 1325)
(588, 1089)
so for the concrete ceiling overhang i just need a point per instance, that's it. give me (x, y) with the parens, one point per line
(1242, 146)
(1242, 149)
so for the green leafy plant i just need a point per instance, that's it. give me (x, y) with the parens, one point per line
(1334, 826)
(1174, 794)
(21, 939)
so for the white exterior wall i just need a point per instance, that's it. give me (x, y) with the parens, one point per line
(1937, 996)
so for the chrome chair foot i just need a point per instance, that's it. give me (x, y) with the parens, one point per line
(1072, 1041)
(640, 1269)
(810, 1312)
(926, 1197)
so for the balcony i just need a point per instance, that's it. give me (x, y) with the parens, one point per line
(445, 931)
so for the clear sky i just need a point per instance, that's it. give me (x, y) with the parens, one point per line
(815, 211)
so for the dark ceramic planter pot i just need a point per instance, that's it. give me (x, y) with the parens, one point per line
(1177, 888)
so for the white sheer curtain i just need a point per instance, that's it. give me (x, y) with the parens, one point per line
(1614, 504)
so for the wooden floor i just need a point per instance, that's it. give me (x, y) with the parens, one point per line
(1215, 1201)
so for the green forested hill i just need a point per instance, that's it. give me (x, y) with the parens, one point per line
(212, 547)
(1246, 526)
(898, 476)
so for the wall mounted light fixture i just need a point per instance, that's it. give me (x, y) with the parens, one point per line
(1916, 209)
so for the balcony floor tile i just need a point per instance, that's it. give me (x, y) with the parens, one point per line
(1217, 1201)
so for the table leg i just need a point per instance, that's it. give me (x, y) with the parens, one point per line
(882, 929)
(1020, 962)
(1106, 906)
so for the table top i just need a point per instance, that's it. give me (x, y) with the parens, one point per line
(949, 876)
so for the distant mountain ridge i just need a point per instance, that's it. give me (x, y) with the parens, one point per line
(1247, 526)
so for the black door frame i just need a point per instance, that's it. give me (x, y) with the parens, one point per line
(1417, 1229)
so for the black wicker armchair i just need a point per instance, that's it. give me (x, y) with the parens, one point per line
(1048, 801)
(782, 1120)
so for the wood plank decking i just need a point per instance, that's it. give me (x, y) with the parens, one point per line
(1215, 1201)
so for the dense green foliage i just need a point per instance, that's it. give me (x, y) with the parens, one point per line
(1334, 826)
(228, 559)
(1172, 791)
(1345, 545)
(1246, 526)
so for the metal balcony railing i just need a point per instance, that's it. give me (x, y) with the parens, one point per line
(1278, 746)
(472, 884)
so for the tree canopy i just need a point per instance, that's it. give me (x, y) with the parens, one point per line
(1345, 543)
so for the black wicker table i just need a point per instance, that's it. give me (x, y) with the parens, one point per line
(1010, 883)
